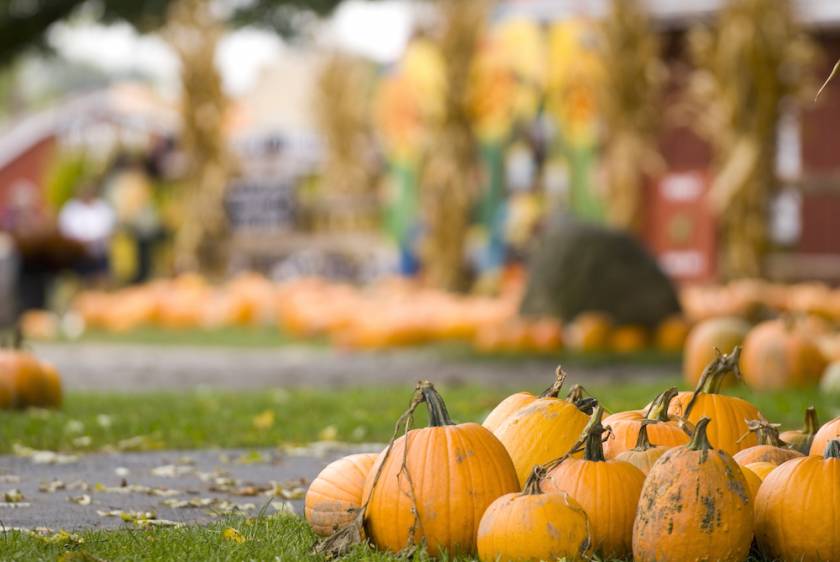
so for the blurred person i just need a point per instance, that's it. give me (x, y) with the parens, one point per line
(89, 220)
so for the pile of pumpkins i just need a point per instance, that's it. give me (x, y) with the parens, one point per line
(692, 476)
(26, 381)
(788, 352)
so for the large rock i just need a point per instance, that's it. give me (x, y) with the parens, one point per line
(579, 266)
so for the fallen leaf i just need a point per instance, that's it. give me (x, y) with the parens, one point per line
(82, 442)
(43, 457)
(283, 507)
(329, 433)
(84, 499)
(231, 534)
(172, 470)
(52, 486)
(122, 471)
(9, 479)
(13, 496)
(251, 457)
(264, 420)
(74, 426)
(104, 421)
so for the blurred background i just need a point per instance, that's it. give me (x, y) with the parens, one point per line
(520, 175)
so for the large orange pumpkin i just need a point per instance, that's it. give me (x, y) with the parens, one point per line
(541, 431)
(778, 355)
(695, 505)
(828, 432)
(644, 455)
(7, 392)
(625, 432)
(534, 526)
(515, 402)
(718, 333)
(797, 510)
(608, 490)
(729, 414)
(762, 469)
(335, 495)
(451, 474)
(52, 396)
(801, 439)
(753, 482)
(31, 384)
(769, 449)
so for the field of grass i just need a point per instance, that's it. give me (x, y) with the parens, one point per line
(200, 419)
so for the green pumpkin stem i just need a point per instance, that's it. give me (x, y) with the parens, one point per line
(713, 375)
(553, 391)
(534, 482)
(438, 415)
(832, 449)
(700, 441)
(767, 433)
(811, 422)
(643, 441)
(658, 410)
(593, 446)
(585, 404)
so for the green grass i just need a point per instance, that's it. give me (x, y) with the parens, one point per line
(263, 336)
(200, 419)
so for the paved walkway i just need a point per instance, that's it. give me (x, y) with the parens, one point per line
(127, 368)
(105, 490)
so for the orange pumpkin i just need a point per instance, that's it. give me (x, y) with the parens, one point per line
(695, 505)
(608, 491)
(445, 474)
(540, 432)
(671, 334)
(769, 449)
(590, 331)
(644, 455)
(801, 439)
(729, 414)
(628, 339)
(335, 495)
(30, 385)
(625, 432)
(762, 469)
(52, 395)
(778, 355)
(515, 402)
(7, 392)
(534, 526)
(797, 509)
(545, 336)
(828, 432)
(753, 482)
(718, 333)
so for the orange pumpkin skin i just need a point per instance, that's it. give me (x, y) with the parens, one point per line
(826, 433)
(671, 334)
(801, 439)
(625, 432)
(53, 396)
(778, 356)
(30, 386)
(762, 469)
(769, 449)
(753, 482)
(7, 391)
(628, 339)
(721, 333)
(797, 510)
(457, 471)
(644, 455)
(515, 402)
(336, 493)
(534, 526)
(695, 505)
(728, 414)
(540, 432)
(590, 331)
(608, 491)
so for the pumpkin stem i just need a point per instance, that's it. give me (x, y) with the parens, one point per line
(832, 449)
(700, 441)
(768, 433)
(643, 441)
(553, 391)
(438, 415)
(811, 423)
(593, 446)
(585, 404)
(714, 373)
(658, 410)
(534, 481)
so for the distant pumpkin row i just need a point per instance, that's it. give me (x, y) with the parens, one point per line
(656, 484)
(25, 381)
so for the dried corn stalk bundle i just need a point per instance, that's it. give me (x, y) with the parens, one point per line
(193, 32)
(449, 173)
(757, 59)
(343, 112)
(630, 105)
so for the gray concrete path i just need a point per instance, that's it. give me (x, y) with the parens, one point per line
(105, 490)
(127, 368)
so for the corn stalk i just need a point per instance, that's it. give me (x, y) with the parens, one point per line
(201, 240)
(449, 169)
(343, 111)
(631, 108)
(757, 60)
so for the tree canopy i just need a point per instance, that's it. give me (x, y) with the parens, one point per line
(24, 23)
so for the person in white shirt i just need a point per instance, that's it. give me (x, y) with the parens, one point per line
(88, 219)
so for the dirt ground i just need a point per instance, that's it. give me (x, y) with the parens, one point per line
(133, 368)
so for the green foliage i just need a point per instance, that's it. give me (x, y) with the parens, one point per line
(64, 176)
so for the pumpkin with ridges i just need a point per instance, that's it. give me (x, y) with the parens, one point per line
(644, 455)
(828, 432)
(336, 493)
(769, 449)
(801, 439)
(625, 432)
(515, 402)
